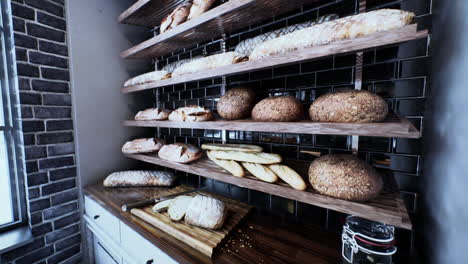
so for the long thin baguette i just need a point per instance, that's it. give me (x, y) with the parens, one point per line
(233, 147)
(260, 171)
(289, 176)
(231, 166)
(261, 158)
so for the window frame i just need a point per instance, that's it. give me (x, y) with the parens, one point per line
(12, 126)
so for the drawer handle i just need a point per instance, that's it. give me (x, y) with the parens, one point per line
(150, 261)
(96, 217)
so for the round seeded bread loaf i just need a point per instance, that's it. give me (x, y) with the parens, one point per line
(351, 106)
(236, 103)
(345, 177)
(278, 109)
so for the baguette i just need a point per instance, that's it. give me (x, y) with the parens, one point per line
(261, 158)
(148, 77)
(206, 63)
(339, 29)
(206, 212)
(178, 207)
(231, 166)
(260, 171)
(139, 178)
(232, 147)
(289, 176)
(162, 206)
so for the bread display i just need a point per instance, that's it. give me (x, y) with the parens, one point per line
(245, 47)
(176, 17)
(260, 171)
(278, 109)
(206, 63)
(152, 114)
(289, 176)
(232, 147)
(340, 29)
(134, 178)
(199, 7)
(148, 77)
(142, 145)
(231, 166)
(206, 212)
(351, 106)
(346, 177)
(178, 207)
(191, 113)
(262, 157)
(237, 103)
(179, 152)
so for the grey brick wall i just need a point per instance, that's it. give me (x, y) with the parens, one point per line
(43, 69)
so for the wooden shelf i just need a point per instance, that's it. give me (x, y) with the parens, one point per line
(340, 47)
(388, 207)
(392, 127)
(225, 18)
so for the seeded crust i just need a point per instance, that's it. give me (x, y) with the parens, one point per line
(345, 177)
(236, 103)
(349, 107)
(278, 109)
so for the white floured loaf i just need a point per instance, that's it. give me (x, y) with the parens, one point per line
(135, 178)
(148, 77)
(191, 113)
(339, 29)
(153, 114)
(206, 63)
(142, 145)
(176, 17)
(179, 152)
(206, 212)
(199, 7)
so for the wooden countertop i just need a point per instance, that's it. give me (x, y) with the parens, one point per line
(254, 241)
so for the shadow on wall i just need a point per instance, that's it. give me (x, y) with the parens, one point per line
(445, 223)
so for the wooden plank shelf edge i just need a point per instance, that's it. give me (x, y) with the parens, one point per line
(399, 128)
(379, 39)
(387, 207)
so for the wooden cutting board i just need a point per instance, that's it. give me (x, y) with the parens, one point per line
(201, 239)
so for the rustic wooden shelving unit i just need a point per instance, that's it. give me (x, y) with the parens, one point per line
(388, 207)
(379, 39)
(392, 127)
(225, 18)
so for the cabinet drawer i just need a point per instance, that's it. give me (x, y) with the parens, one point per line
(102, 255)
(140, 248)
(102, 218)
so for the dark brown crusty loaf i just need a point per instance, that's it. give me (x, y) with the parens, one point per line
(350, 106)
(278, 109)
(346, 177)
(237, 103)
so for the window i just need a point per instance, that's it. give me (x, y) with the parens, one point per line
(12, 195)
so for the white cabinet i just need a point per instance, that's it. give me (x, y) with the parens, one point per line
(113, 242)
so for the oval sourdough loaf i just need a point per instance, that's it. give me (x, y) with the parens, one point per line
(176, 17)
(179, 152)
(236, 103)
(278, 109)
(349, 107)
(346, 177)
(191, 113)
(142, 145)
(139, 178)
(206, 212)
(199, 7)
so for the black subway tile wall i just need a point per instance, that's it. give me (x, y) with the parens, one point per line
(400, 74)
(43, 69)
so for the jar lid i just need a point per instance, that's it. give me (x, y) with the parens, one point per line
(371, 229)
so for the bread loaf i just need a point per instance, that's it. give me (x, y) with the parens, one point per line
(142, 145)
(206, 63)
(176, 17)
(162, 206)
(178, 207)
(231, 166)
(262, 157)
(344, 28)
(179, 152)
(153, 114)
(278, 109)
(139, 178)
(148, 77)
(191, 113)
(206, 212)
(289, 176)
(237, 103)
(260, 171)
(349, 107)
(345, 177)
(199, 7)
(232, 147)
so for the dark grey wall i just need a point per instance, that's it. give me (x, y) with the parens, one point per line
(446, 164)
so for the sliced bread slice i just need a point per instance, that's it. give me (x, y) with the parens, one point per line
(162, 206)
(178, 207)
